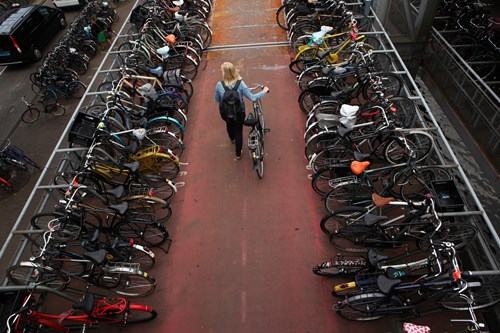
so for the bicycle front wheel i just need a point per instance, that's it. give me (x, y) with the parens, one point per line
(364, 307)
(25, 275)
(30, 115)
(76, 89)
(488, 294)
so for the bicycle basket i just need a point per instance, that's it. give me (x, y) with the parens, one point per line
(138, 16)
(253, 140)
(447, 196)
(83, 130)
(10, 302)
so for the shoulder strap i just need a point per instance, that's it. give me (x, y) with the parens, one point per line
(237, 85)
(224, 85)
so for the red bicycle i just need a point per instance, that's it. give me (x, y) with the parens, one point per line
(89, 312)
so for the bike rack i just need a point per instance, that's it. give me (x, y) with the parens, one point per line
(488, 245)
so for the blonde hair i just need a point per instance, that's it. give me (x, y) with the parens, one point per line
(230, 73)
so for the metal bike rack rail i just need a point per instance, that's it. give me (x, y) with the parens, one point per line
(487, 245)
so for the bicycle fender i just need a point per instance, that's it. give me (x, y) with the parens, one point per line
(144, 250)
(166, 118)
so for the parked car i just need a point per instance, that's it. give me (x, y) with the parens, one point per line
(24, 32)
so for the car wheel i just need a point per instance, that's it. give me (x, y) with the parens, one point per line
(62, 22)
(37, 54)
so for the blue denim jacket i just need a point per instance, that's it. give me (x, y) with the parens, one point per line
(242, 91)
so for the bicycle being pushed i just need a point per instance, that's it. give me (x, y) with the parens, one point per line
(258, 130)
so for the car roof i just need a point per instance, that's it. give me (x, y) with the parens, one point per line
(13, 17)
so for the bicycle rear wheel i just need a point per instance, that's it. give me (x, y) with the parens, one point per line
(30, 115)
(352, 238)
(364, 307)
(138, 284)
(151, 234)
(342, 217)
(58, 110)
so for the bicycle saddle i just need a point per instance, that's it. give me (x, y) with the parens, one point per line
(381, 201)
(91, 237)
(250, 120)
(132, 166)
(385, 284)
(361, 157)
(131, 148)
(120, 208)
(158, 71)
(371, 219)
(86, 305)
(117, 191)
(97, 257)
(343, 131)
(374, 258)
(358, 167)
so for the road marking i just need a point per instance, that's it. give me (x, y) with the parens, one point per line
(243, 306)
(3, 69)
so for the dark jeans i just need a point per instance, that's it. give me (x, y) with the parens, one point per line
(235, 132)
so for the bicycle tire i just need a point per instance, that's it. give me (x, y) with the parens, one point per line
(482, 297)
(58, 110)
(138, 313)
(259, 168)
(393, 84)
(336, 267)
(30, 115)
(351, 238)
(25, 275)
(348, 193)
(342, 217)
(319, 142)
(151, 234)
(417, 185)
(333, 156)
(460, 234)
(71, 228)
(160, 164)
(159, 208)
(135, 284)
(281, 14)
(76, 89)
(360, 307)
(145, 261)
(163, 137)
(420, 143)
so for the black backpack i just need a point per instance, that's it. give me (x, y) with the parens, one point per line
(230, 106)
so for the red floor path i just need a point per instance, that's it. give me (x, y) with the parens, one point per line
(243, 248)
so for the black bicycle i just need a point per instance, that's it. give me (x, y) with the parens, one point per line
(255, 120)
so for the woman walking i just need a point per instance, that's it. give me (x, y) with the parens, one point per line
(231, 79)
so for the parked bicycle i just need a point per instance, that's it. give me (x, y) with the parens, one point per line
(32, 113)
(28, 314)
